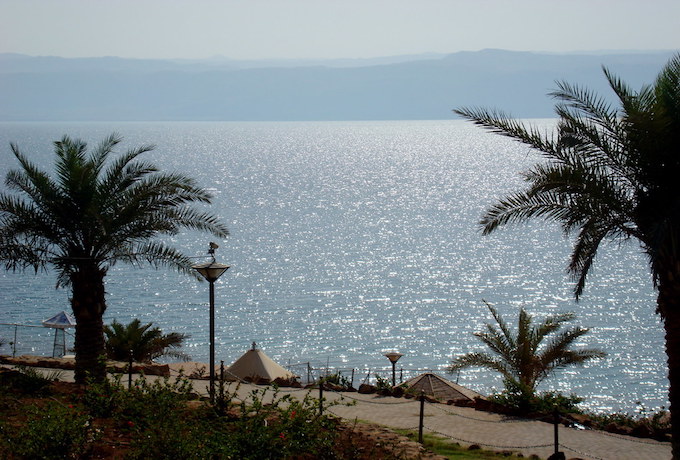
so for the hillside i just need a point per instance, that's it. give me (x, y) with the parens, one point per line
(403, 87)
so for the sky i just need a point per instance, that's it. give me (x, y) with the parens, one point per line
(312, 29)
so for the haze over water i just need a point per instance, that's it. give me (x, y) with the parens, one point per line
(350, 239)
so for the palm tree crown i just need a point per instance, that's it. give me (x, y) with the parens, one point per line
(143, 341)
(91, 215)
(522, 356)
(94, 212)
(608, 173)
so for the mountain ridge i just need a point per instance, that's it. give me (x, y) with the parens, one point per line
(390, 88)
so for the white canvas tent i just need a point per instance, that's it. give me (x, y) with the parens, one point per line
(257, 366)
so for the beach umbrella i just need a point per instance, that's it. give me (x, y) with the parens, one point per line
(59, 322)
(441, 388)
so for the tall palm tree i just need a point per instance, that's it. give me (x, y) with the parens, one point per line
(145, 342)
(91, 214)
(609, 172)
(522, 357)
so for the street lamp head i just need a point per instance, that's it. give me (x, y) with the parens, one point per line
(211, 271)
(393, 356)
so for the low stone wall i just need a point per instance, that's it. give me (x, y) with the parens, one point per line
(70, 364)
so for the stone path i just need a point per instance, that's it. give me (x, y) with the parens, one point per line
(468, 426)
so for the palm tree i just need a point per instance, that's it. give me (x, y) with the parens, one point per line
(90, 215)
(521, 356)
(609, 172)
(144, 342)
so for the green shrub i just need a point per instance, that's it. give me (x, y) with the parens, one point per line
(382, 383)
(339, 380)
(281, 427)
(141, 404)
(27, 380)
(103, 398)
(54, 431)
(520, 399)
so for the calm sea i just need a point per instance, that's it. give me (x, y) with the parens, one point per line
(351, 239)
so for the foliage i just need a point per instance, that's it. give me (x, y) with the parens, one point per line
(52, 431)
(382, 383)
(145, 343)
(339, 380)
(264, 425)
(521, 356)
(90, 214)
(518, 399)
(281, 428)
(452, 450)
(144, 404)
(609, 173)
(27, 380)
(657, 421)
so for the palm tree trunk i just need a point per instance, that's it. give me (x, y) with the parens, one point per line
(668, 303)
(88, 304)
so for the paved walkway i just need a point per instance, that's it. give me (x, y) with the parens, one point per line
(468, 426)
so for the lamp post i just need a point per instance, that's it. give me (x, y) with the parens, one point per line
(211, 271)
(393, 357)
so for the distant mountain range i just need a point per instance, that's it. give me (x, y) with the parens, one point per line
(425, 86)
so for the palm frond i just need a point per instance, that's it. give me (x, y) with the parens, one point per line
(501, 123)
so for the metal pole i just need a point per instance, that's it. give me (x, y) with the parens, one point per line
(422, 415)
(321, 396)
(212, 341)
(556, 419)
(394, 374)
(130, 359)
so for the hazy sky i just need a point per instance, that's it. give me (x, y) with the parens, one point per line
(256, 29)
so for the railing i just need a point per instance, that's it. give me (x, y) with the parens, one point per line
(309, 372)
(22, 339)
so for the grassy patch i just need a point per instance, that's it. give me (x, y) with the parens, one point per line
(452, 450)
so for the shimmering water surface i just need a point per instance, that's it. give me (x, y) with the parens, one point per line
(350, 239)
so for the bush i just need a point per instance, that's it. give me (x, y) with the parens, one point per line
(54, 431)
(339, 380)
(142, 404)
(161, 427)
(27, 380)
(521, 400)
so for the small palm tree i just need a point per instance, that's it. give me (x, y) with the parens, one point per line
(146, 343)
(523, 357)
(91, 214)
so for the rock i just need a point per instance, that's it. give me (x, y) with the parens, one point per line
(287, 382)
(365, 388)
(398, 392)
(557, 456)
(463, 402)
(642, 430)
(581, 419)
(619, 429)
